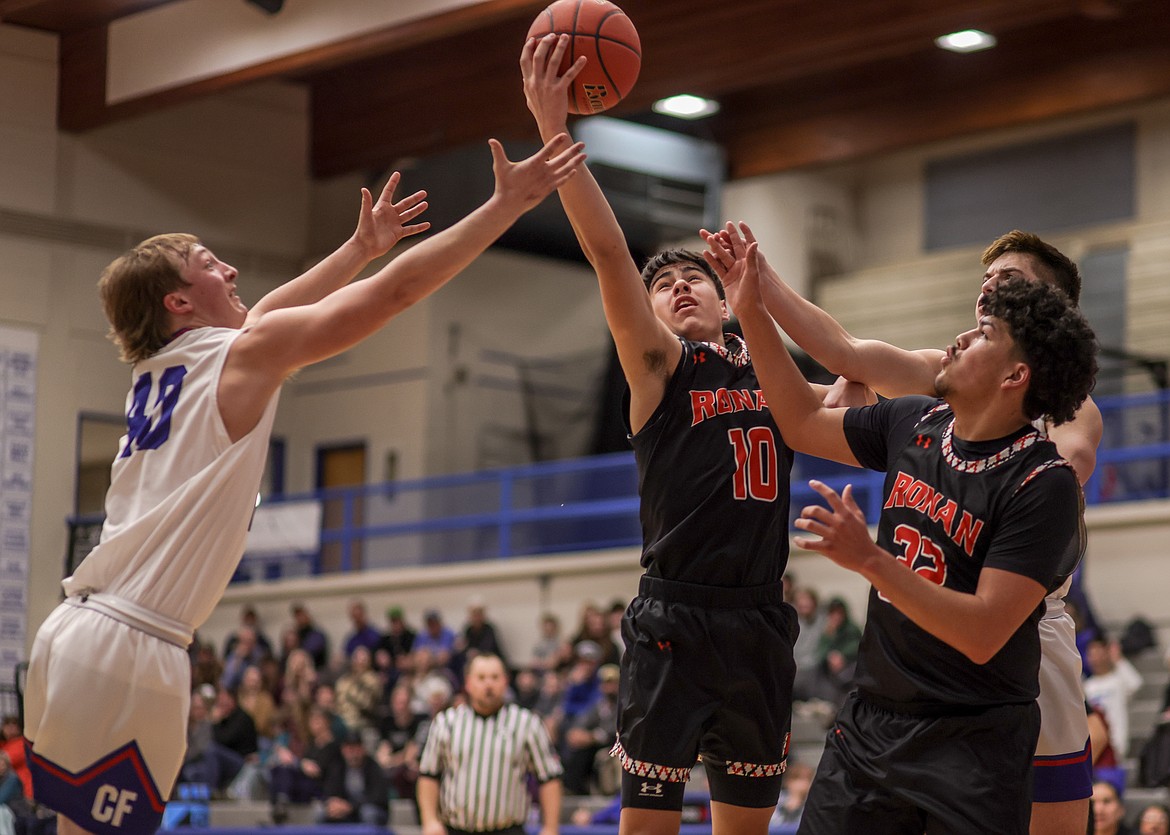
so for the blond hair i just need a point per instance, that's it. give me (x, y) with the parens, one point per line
(132, 289)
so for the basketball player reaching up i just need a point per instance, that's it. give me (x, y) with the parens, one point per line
(1062, 777)
(109, 679)
(980, 515)
(708, 665)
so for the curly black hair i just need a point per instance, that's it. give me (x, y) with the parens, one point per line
(1056, 342)
(679, 256)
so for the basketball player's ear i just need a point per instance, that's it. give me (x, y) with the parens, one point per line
(1019, 376)
(176, 303)
(725, 313)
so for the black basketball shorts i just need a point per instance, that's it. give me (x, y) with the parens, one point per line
(884, 773)
(707, 671)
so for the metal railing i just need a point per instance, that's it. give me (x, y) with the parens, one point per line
(592, 503)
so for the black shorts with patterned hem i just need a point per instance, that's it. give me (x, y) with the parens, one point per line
(889, 773)
(707, 671)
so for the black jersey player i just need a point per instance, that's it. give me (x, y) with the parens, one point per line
(980, 517)
(708, 665)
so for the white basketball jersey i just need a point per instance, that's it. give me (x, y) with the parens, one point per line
(182, 494)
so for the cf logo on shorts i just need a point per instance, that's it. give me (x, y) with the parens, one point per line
(650, 790)
(111, 805)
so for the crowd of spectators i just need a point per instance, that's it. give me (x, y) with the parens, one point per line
(341, 725)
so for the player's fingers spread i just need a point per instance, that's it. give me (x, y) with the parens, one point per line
(825, 490)
(746, 231)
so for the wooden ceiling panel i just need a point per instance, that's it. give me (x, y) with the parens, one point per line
(801, 82)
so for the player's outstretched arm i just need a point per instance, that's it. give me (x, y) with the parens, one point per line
(805, 422)
(977, 625)
(887, 369)
(647, 349)
(291, 338)
(1077, 440)
(380, 226)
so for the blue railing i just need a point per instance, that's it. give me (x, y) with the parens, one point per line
(592, 503)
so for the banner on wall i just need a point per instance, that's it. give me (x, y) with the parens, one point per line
(18, 367)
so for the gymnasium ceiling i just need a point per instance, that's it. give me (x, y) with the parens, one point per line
(801, 82)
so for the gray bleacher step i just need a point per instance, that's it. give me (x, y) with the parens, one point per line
(242, 814)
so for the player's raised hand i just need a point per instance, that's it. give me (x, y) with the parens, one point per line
(528, 182)
(844, 537)
(547, 92)
(735, 260)
(383, 224)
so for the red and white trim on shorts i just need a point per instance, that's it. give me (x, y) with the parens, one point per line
(638, 768)
(757, 769)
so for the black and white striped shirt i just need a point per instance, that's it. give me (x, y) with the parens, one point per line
(482, 763)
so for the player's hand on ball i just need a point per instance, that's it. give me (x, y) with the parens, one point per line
(545, 91)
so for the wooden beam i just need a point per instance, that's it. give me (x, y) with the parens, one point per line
(843, 116)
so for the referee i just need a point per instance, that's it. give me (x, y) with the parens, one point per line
(474, 766)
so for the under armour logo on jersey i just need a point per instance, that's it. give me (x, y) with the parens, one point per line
(700, 356)
(664, 646)
(923, 441)
(650, 790)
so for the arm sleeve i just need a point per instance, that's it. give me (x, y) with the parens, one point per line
(544, 761)
(877, 433)
(430, 762)
(1038, 528)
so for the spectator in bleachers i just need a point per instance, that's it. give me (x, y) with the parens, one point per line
(246, 652)
(548, 704)
(233, 729)
(582, 686)
(362, 633)
(206, 761)
(325, 697)
(16, 812)
(206, 668)
(590, 732)
(392, 657)
(526, 688)
(804, 650)
(12, 743)
(434, 646)
(359, 691)
(1112, 681)
(836, 653)
(1154, 820)
(1108, 810)
(297, 767)
(551, 651)
(355, 788)
(398, 748)
(797, 781)
(249, 619)
(298, 687)
(479, 635)
(255, 700)
(617, 609)
(595, 628)
(310, 637)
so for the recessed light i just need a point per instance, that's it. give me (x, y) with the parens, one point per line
(968, 40)
(686, 106)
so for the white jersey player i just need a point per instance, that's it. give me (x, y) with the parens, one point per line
(109, 678)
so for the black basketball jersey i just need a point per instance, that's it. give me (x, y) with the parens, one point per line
(713, 474)
(950, 509)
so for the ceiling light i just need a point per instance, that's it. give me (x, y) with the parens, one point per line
(686, 106)
(969, 40)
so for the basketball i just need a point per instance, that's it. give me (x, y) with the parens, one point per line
(607, 38)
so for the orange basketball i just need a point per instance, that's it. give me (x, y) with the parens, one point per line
(607, 38)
